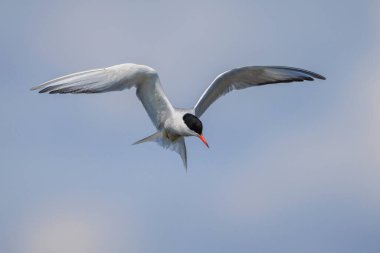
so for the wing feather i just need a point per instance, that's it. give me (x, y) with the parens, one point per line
(250, 76)
(117, 78)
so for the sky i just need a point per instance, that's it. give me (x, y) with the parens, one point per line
(291, 168)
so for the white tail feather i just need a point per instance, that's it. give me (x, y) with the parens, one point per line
(160, 138)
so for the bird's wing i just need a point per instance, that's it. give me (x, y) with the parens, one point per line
(250, 76)
(117, 78)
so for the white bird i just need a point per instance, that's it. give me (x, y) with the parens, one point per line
(173, 124)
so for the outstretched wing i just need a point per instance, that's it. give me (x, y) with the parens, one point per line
(117, 78)
(245, 77)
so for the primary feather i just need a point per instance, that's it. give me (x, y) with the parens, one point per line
(241, 78)
(117, 78)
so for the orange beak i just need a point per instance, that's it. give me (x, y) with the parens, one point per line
(203, 140)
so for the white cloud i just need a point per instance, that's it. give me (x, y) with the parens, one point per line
(78, 226)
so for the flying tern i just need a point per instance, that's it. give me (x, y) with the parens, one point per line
(172, 124)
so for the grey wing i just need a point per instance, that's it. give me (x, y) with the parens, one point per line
(117, 78)
(250, 76)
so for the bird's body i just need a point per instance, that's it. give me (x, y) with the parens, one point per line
(172, 124)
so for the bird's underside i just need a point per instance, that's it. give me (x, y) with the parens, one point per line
(169, 121)
(170, 141)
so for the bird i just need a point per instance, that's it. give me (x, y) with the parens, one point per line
(172, 124)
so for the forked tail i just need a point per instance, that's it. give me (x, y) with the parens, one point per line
(178, 145)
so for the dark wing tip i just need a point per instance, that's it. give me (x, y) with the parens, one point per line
(307, 72)
(35, 88)
(308, 78)
(315, 75)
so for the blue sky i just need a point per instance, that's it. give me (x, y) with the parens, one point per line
(291, 168)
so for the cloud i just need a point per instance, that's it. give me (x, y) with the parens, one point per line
(76, 225)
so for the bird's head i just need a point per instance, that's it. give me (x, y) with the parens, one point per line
(195, 125)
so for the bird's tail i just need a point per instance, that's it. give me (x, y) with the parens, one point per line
(153, 137)
(161, 139)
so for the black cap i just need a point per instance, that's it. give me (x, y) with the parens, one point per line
(193, 123)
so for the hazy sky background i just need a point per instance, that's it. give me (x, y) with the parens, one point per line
(291, 168)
